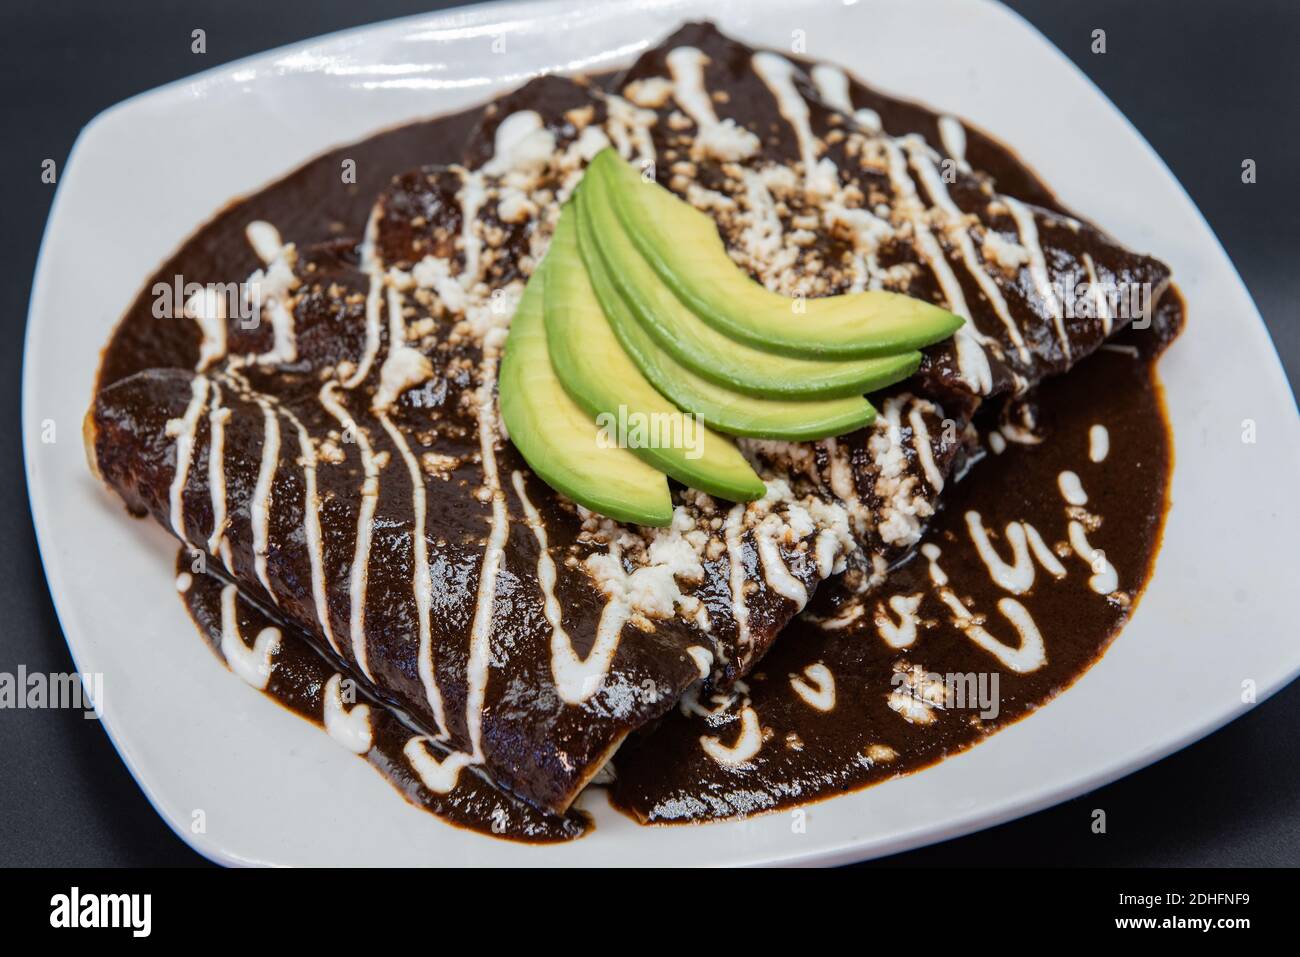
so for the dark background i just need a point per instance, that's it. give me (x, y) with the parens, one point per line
(1207, 83)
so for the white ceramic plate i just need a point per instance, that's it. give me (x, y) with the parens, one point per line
(270, 788)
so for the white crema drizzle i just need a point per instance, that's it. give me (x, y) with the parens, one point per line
(259, 509)
(1028, 230)
(775, 571)
(1104, 579)
(924, 450)
(217, 420)
(312, 530)
(902, 634)
(350, 727)
(816, 687)
(371, 266)
(1071, 488)
(972, 361)
(703, 659)
(404, 367)
(748, 742)
(521, 142)
(360, 572)
(777, 73)
(493, 554)
(421, 580)
(923, 163)
(253, 665)
(1030, 655)
(953, 136)
(438, 775)
(833, 85)
(184, 430)
(208, 309)
(1026, 545)
(722, 139)
(576, 679)
(1098, 443)
(275, 283)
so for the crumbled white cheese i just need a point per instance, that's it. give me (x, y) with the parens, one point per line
(1006, 254)
(652, 92)
(725, 141)
(523, 144)
(404, 369)
(434, 273)
(514, 206)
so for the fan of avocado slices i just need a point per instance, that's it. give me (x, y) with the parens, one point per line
(639, 346)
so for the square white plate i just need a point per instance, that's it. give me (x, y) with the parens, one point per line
(267, 787)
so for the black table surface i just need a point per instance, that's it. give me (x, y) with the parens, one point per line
(1208, 83)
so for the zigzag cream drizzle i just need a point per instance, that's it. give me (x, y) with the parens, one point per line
(972, 361)
(253, 665)
(184, 430)
(778, 73)
(312, 530)
(365, 523)
(350, 727)
(1030, 655)
(576, 679)
(775, 571)
(217, 420)
(374, 300)
(493, 554)
(918, 152)
(903, 634)
(421, 582)
(953, 136)
(259, 509)
(748, 742)
(1028, 230)
(816, 687)
(833, 85)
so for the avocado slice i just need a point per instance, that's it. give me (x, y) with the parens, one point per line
(721, 408)
(710, 353)
(683, 246)
(559, 441)
(599, 376)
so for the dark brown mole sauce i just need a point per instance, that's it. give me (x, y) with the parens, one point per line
(309, 205)
(297, 681)
(809, 754)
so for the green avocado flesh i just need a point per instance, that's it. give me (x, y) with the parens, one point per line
(604, 381)
(559, 440)
(709, 353)
(721, 408)
(683, 246)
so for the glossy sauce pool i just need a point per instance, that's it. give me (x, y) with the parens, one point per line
(902, 696)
